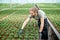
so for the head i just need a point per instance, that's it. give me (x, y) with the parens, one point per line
(33, 11)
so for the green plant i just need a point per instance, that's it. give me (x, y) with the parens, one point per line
(16, 35)
(14, 22)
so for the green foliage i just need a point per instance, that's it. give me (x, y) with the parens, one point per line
(10, 26)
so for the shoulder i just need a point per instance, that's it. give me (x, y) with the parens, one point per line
(41, 11)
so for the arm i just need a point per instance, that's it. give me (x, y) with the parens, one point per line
(25, 23)
(42, 24)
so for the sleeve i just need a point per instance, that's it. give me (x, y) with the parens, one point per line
(41, 14)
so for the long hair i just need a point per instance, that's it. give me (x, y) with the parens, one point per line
(34, 9)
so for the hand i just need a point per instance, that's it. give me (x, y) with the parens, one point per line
(40, 35)
(40, 31)
(20, 31)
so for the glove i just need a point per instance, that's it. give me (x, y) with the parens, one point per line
(20, 31)
(40, 35)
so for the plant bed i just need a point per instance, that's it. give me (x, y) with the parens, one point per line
(20, 36)
(5, 13)
(54, 17)
(30, 29)
(9, 37)
(37, 37)
(55, 26)
(3, 38)
(0, 36)
(16, 36)
(13, 31)
(6, 33)
(2, 33)
(6, 28)
(11, 34)
(31, 37)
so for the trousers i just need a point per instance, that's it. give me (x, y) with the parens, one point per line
(45, 29)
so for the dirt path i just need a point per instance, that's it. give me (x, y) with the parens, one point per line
(6, 16)
(41, 8)
(4, 9)
(29, 8)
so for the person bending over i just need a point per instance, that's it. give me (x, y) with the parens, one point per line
(41, 18)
